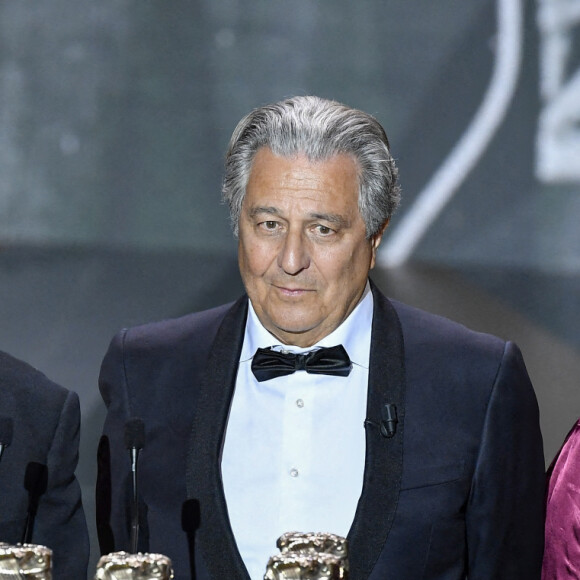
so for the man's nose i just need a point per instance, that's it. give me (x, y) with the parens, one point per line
(294, 256)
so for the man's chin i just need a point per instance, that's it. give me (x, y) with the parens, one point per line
(293, 333)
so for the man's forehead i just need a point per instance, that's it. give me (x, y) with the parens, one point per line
(299, 169)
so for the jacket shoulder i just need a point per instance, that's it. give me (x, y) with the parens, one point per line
(435, 331)
(175, 343)
(194, 326)
(28, 386)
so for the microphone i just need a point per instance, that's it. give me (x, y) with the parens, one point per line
(134, 442)
(389, 420)
(6, 429)
(35, 483)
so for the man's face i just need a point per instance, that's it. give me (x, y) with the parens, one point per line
(303, 253)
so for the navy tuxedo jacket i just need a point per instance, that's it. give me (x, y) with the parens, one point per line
(45, 443)
(456, 492)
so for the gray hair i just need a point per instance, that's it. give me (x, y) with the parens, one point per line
(319, 129)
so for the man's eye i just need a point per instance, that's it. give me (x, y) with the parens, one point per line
(324, 230)
(269, 225)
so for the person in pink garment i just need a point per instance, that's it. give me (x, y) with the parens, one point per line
(562, 548)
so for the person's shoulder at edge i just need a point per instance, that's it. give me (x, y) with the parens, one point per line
(31, 382)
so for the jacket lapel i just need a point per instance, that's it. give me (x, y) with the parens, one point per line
(384, 456)
(204, 482)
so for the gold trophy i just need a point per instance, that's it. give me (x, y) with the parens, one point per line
(125, 566)
(309, 556)
(25, 561)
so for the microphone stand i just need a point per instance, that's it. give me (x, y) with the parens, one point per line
(134, 501)
(134, 441)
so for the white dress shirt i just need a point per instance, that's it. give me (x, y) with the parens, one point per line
(294, 450)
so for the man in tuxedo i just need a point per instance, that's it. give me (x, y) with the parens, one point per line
(40, 426)
(314, 403)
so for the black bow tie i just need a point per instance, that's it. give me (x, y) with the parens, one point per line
(268, 364)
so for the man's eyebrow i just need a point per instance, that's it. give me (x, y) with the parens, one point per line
(260, 209)
(333, 218)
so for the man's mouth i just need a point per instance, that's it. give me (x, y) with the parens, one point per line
(292, 291)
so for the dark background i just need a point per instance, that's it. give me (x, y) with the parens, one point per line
(115, 114)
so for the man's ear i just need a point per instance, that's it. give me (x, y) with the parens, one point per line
(375, 243)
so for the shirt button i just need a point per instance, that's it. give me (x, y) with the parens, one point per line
(300, 403)
(294, 472)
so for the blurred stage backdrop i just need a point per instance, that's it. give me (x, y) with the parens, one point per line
(115, 114)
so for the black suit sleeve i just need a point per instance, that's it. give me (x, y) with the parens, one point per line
(505, 508)
(60, 521)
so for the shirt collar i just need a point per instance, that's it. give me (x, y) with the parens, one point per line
(354, 333)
